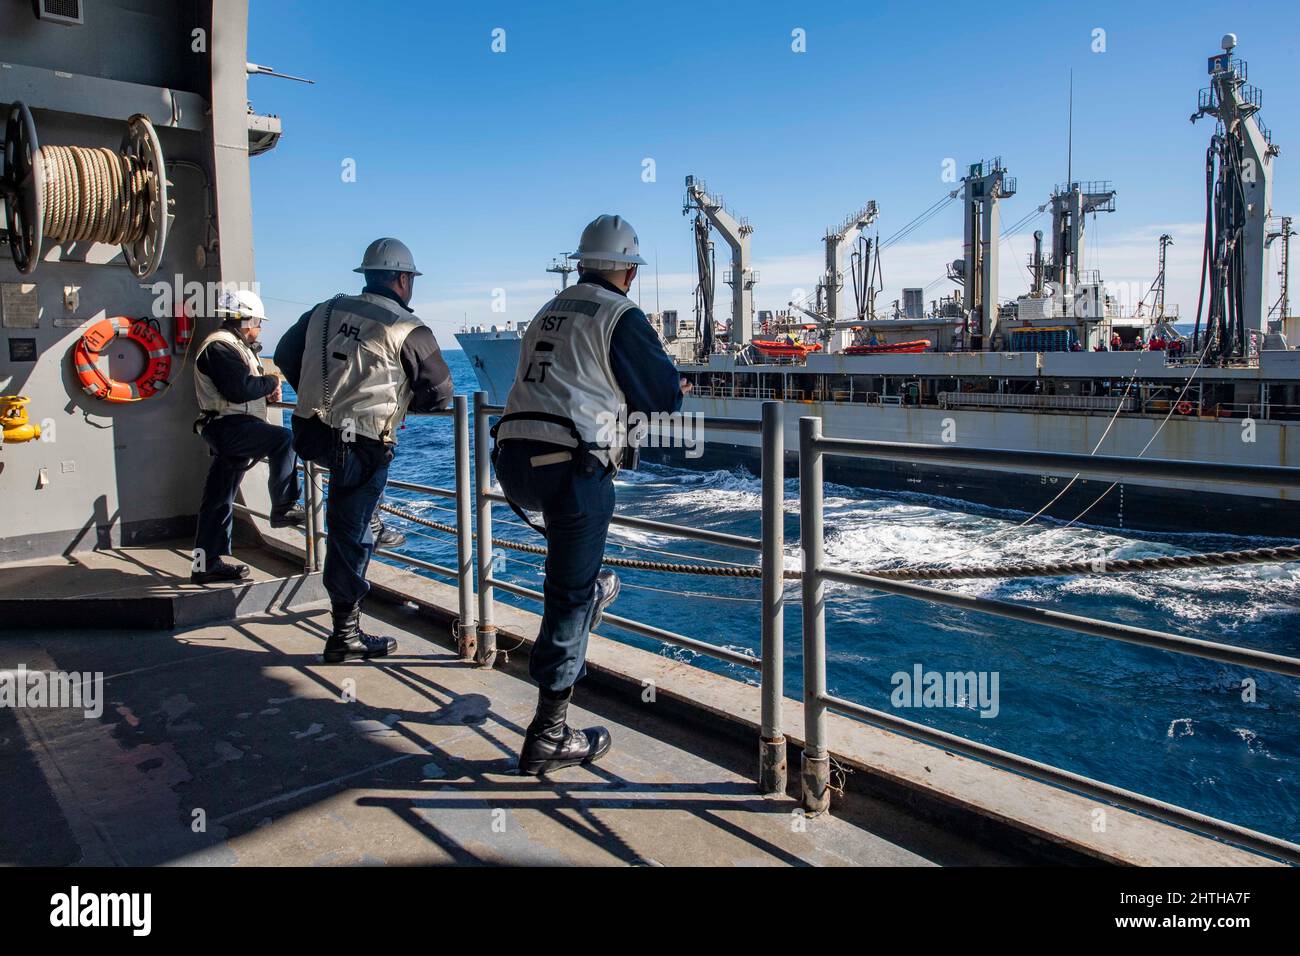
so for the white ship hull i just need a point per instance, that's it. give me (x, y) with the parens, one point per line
(1137, 504)
(495, 356)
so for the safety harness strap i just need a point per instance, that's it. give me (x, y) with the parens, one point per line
(579, 454)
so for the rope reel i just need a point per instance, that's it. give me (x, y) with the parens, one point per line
(85, 193)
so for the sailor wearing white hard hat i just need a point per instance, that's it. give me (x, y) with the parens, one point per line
(358, 363)
(589, 359)
(232, 390)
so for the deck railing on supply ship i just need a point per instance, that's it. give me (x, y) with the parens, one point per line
(476, 632)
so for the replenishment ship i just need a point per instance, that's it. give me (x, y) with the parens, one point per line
(1061, 368)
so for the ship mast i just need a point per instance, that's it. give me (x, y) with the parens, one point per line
(1158, 306)
(563, 267)
(1282, 308)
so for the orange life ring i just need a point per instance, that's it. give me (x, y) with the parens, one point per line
(144, 332)
(1184, 408)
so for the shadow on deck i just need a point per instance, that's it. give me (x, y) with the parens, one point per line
(233, 744)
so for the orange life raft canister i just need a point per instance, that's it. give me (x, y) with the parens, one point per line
(144, 332)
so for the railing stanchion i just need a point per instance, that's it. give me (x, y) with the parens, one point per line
(466, 643)
(309, 520)
(815, 764)
(771, 742)
(487, 632)
(316, 511)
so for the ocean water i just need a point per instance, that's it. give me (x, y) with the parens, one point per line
(1171, 726)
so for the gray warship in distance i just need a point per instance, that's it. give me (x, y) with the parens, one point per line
(1058, 369)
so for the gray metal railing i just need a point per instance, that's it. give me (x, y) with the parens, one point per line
(1104, 403)
(815, 763)
(770, 545)
(476, 638)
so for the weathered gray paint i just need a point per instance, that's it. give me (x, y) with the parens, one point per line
(116, 472)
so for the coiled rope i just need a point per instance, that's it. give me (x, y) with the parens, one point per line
(1215, 559)
(95, 194)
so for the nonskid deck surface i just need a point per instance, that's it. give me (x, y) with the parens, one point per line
(234, 745)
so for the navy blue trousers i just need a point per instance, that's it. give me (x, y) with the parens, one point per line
(358, 472)
(236, 439)
(577, 504)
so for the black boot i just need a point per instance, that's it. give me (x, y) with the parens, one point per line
(292, 516)
(385, 537)
(220, 572)
(607, 588)
(349, 641)
(551, 744)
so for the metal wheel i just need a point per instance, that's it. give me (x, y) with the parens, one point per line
(22, 179)
(141, 141)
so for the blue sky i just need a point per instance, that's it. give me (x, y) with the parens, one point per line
(489, 164)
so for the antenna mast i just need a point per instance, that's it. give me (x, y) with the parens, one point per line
(1283, 305)
(563, 267)
(1069, 137)
(1159, 305)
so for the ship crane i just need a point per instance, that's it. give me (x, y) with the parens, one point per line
(837, 240)
(736, 232)
(983, 188)
(1239, 203)
(1071, 203)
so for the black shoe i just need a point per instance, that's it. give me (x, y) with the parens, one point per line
(348, 640)
(386, 537)
(292, 516)
(607, 588)
(551, 744)
(221, 572)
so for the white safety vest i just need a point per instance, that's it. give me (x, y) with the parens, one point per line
(210, 398)
(368, 387)
(564, 372)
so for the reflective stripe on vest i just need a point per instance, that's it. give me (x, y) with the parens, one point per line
(564, 371)
(209, 396)
(369, 389)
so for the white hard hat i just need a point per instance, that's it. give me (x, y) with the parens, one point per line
(243, 304)
(609, 243)
(388, 255)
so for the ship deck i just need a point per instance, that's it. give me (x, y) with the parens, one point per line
(241, 728)
(230, 743)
